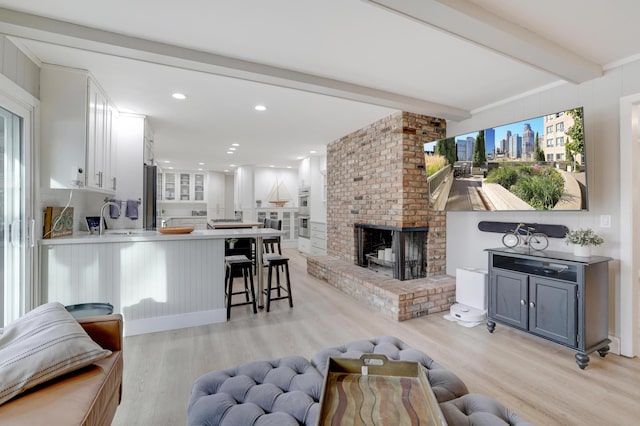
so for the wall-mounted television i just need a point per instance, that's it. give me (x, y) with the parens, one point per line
(533, 164)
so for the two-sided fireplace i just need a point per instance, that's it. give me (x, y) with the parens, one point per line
(397, 252)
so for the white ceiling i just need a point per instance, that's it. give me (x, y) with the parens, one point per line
(332, 66)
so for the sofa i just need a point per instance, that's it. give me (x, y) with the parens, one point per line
(286, 391)
(87, 396)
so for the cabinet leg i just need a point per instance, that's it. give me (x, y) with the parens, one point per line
(582, 360)
(491, 325)
(603, 351)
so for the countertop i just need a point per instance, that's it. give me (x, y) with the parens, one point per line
(138, 235)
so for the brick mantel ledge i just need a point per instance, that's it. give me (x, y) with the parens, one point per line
(399, 300)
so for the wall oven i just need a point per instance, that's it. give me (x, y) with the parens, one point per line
(304, 230)
(304, 208)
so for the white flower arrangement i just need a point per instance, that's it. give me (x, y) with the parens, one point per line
(583, 237)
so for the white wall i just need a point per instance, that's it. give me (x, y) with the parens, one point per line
(129, 169)
(228, 198)
(265, 180)
(318, 205)
(600, 98)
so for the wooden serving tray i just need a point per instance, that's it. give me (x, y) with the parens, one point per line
(390, 393)
(176, 230)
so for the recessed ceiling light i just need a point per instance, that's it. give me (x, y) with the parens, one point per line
(271, 165)
(299, 157)
(229, 152)
(200, 164)
(232, 165)
(226, 170)
(289, 167)
(235, 144)
(260, 108)
(170, 168)
(166, 161)
(200, 168)
(232, 148)
(312, 152)
(179, 96)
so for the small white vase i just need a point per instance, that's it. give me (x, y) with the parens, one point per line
(581, 251)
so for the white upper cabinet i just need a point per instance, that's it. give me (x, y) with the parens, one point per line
(183, 186)
(78, 131)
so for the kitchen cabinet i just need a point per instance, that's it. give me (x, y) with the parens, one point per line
(290, 222)
(182, 186)
(554, 295)
(169, 191)
(198, 186)
(78, 131)
(318, 238)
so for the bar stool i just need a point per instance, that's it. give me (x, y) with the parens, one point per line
(244, 264)
(275, 261)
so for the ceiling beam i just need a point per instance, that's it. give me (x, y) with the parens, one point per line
(34, 27)
(474, 24)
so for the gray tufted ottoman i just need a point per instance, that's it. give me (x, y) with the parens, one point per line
(286, 391)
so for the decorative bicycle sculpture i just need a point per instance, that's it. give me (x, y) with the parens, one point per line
(526, 236)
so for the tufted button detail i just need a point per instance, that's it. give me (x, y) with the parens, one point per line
(286, 391)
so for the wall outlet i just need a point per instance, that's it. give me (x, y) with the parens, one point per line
(605, 221)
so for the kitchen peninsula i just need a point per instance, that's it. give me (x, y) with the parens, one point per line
(157, 281)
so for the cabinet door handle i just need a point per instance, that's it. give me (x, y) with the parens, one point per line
(532, 305)
(523, 302)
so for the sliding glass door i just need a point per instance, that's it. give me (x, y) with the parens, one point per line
(16, 227)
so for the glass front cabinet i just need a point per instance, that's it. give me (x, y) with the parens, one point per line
(181, 186)
(289, 217)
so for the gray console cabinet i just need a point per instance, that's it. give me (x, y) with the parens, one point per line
(554, 295)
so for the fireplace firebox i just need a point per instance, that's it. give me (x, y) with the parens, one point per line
(397, 252)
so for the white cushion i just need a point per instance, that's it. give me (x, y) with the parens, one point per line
(46, 342)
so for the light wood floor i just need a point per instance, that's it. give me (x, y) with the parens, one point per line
(535, 378)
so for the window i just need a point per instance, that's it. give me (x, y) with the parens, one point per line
(549, 129)
(549, 157)
(560, 141)
(559, 157)
(549, 142)
(560, 127)
(16, 253)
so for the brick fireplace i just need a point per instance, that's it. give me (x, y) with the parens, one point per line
(396, 252)
(376, 176)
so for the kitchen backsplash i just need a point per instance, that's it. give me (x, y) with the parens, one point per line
(84, 203)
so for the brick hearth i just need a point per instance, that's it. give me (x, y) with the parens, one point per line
(376, 176)
(399, 300)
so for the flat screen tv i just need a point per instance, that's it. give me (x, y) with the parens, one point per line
(533, 164)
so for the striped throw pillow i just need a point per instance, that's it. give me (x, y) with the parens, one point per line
(44, 343)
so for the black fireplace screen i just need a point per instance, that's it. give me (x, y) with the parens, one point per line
(398, 252)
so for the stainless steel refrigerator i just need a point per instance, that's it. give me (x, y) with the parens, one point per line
(149, 197)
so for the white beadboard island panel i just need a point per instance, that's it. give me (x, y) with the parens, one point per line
(158, 282)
